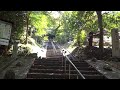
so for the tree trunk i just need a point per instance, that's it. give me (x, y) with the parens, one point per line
(99, 14)
(27, 30)
(90, 39)
(15, 49)
(78, 39)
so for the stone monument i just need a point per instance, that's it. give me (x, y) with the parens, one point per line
(115, 43)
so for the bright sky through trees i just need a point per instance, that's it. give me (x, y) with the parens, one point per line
(55, 14)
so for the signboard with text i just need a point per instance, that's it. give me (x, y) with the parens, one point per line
(5, 32)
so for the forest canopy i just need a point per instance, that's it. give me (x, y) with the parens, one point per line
(70, 25)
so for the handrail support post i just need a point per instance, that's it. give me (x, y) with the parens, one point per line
(69, 71)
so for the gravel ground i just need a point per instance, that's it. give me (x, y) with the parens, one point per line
(99, 64)
(114, 74)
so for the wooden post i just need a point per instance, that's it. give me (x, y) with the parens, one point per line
(90, 39)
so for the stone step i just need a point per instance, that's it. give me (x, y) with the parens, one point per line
(51, 76)
(44, 78)
(51, 58)
(60, 64)
(51, 68)
(58, 61)
(62, 76)
(94, 76)
(47, 62)
(46, 67)
(60, 67)
(61, 71)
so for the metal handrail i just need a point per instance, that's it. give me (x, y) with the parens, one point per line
(54, 47)
(73, 56)
(73, 65)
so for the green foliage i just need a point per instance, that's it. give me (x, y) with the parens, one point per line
(83, 36)
(42, 21)
(73, 22)
(111, 20)
(40, 25)
(18, 19)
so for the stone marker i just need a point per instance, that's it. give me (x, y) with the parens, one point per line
(94, 59)
(115, 43)
(15, 50)
(19, 64)
(107, 67)
(9, 74)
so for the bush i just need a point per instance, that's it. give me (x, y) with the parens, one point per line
(23, 50)
(91, 52)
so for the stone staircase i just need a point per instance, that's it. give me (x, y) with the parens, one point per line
(51, 68)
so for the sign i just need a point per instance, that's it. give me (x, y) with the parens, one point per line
(4, 42)
(5, 32)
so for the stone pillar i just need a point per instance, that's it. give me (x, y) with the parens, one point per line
(15, 50)
(115, 43)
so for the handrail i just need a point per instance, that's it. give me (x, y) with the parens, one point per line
(73, 56)
(75, 67)
(54, 47)
(68, 52)
(73, 64)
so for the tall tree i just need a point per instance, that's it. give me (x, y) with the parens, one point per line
(99, 14)
(27, 24)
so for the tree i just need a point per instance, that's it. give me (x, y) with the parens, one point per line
(73, 22)
(27, 24)
(111, 20)
(18, 20)
(99, 14)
